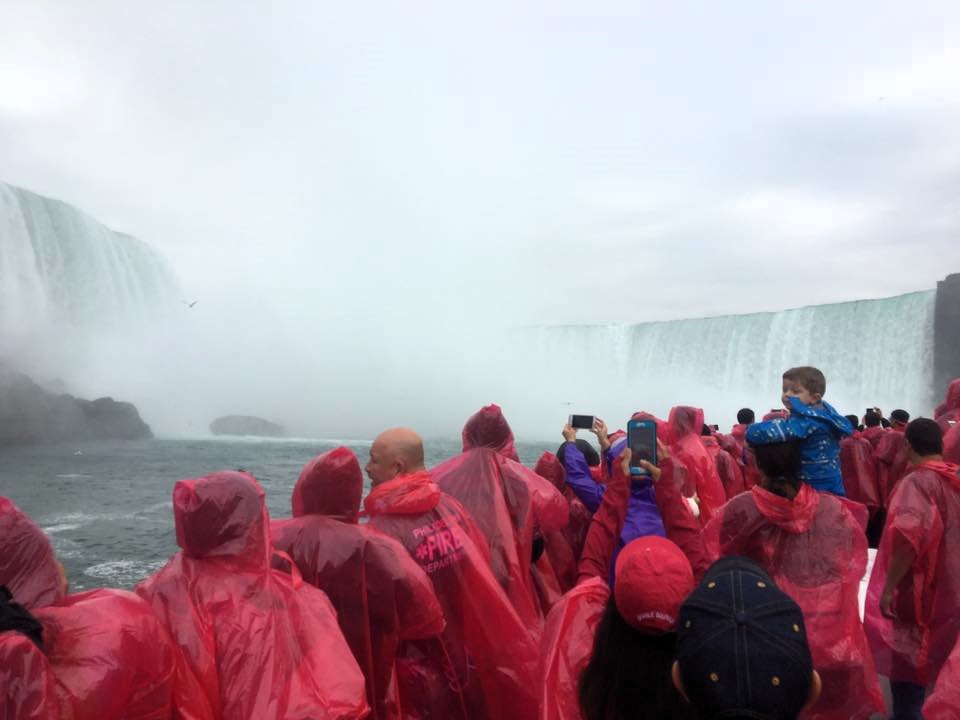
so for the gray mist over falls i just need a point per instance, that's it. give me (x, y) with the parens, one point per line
(94, 312)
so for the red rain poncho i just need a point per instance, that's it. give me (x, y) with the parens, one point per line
(949, 409)
(893, 462)
(261, 644)
(28, 566)
(924, 513)
(703, 479)
(951, 445)
(944, 702)
(382, 597)
(564, 546)
(105, 655)
(29, 691)
(112, 659)
(509, 503)
(727, 468)
(816, 551)
(493, 655)
(859, 469)
(489, 428)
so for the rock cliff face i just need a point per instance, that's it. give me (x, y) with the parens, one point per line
(31, 415)
(246, 425)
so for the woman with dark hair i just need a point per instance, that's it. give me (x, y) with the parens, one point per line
(628, 676)
(815, 550)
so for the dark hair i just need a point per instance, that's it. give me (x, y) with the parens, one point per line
(746, 416)
(885, 422)
(809, 378)
(925, 437)
(629, 674)
(705, 430)
(872, 418)
(780, 465)
(16, 618)
(590, 453)
(853, 420)
(901, 416)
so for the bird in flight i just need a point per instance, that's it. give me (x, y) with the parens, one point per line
(190, 305)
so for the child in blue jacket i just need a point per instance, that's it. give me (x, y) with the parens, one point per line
(814, 423)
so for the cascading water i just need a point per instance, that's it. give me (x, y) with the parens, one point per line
(66, 281)
(873, 352)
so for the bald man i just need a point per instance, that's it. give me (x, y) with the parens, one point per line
(489, 658)
(395, 452)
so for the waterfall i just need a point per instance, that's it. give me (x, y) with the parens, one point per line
(873, 352)
(67, 281)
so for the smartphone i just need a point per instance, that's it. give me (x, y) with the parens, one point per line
(869, 410)
(642, 440)
(581, 422)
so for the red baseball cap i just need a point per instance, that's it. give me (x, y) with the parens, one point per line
(653, 578)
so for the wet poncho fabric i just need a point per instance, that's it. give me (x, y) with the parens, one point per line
(949, 409)
(509, 503)
(111, 658)
(816, 551)
(489, 428)
(687, 448)
(859, 468)
(27, 687)
(28, 566)
(924, 513)
(944, 702)
(260, 642)
(731, 475)
(492, 654)
(893, 462)
(820, 431)
(951, 445)
(382, 597)
(564, 546)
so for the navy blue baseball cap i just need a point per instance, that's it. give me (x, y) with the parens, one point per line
(742, 646)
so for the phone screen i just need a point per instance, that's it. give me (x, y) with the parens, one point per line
(581, 422)
(642, 439)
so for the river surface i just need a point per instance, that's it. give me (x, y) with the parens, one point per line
(107, 508)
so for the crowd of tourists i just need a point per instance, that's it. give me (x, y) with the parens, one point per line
(721, 581)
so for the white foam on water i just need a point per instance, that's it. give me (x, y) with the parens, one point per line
(72, 476)
(124, 572)
(61, 527)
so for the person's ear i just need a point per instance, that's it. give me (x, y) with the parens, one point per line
(815, 687)
(678, 683)
(817, 398)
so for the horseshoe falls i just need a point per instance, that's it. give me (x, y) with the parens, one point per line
(68, 284)
(873, 352)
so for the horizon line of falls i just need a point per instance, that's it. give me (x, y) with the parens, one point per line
(68, 282)
(873, 353)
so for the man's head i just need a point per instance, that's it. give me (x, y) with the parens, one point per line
(746, 416)
(806, 384)
(924, 440)
(742, 647)
(395, 452)
(872, 418)
(899, 419)
(853, 420)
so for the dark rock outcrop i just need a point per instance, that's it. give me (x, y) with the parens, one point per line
(31, 415)
(246, 425)
(946, 335)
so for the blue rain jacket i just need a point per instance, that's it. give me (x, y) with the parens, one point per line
(819, 431)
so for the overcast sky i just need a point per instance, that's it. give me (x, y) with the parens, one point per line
(382, 163)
